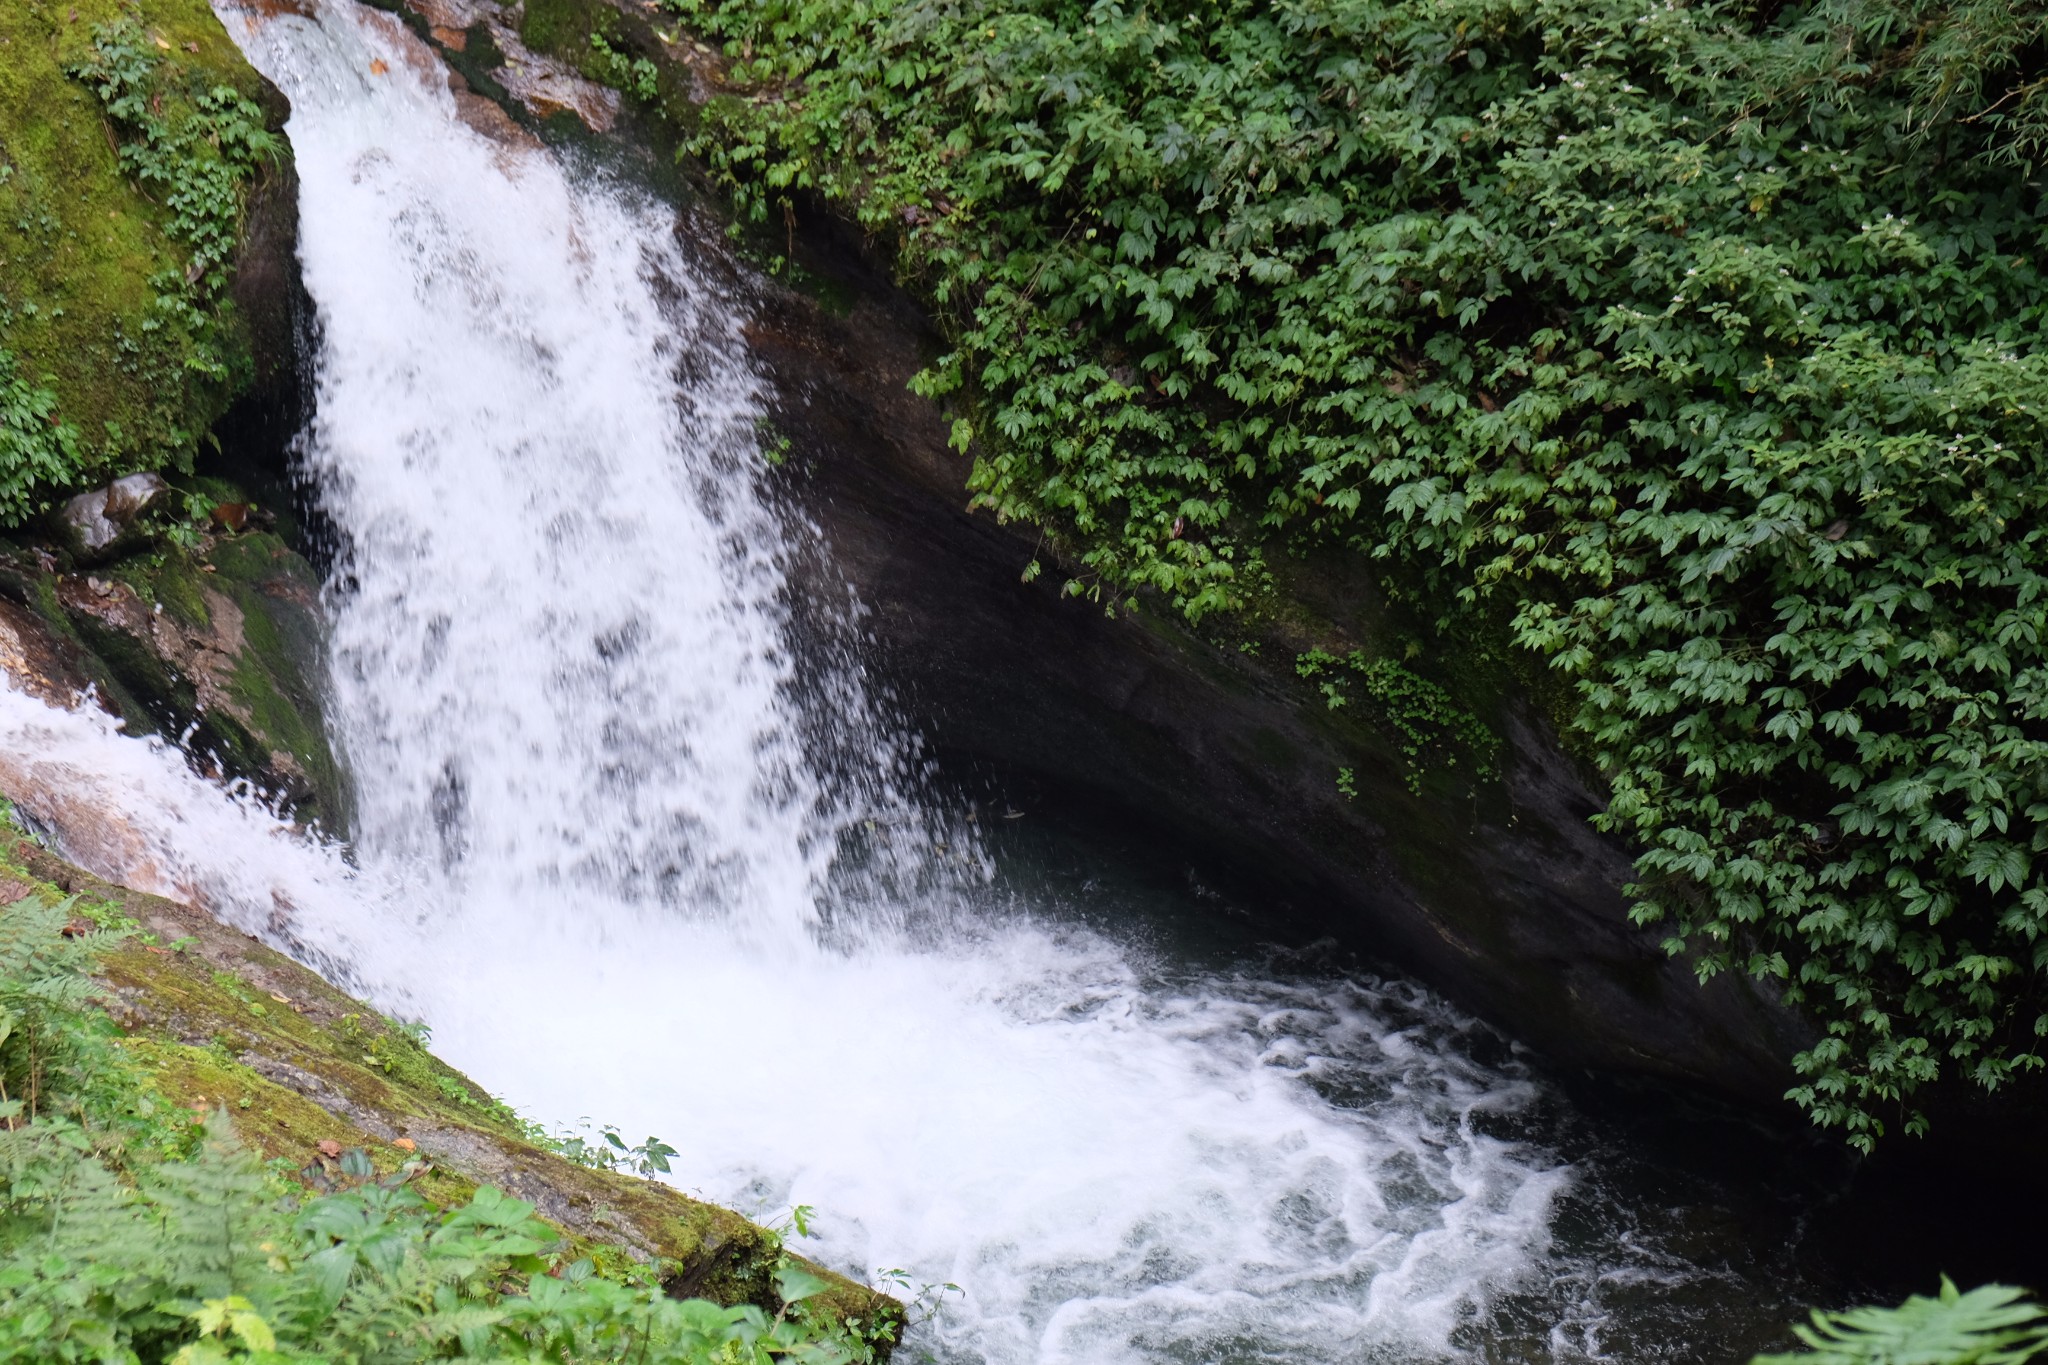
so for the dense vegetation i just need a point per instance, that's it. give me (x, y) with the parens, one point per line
(133, 1230)
(129, 137)
(1700, 340)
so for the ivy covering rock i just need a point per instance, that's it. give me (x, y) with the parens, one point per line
(1697, 342)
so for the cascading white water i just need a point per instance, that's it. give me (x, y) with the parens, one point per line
(1114, 1168)
(593, 853)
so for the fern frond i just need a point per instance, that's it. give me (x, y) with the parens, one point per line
(216, 1219)
(1991, 1325)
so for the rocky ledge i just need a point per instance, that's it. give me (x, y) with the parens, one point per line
(305, 1072)
(212, 637)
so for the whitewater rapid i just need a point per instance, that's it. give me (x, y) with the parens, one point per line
(596, 849)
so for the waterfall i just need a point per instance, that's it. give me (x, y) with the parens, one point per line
(595, 854)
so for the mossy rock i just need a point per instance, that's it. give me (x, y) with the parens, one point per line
(218, 1020)
(81, 242)
(220, 645)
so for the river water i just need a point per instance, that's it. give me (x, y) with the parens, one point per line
(598, 850)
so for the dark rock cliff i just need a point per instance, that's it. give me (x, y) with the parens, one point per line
(1500, 892)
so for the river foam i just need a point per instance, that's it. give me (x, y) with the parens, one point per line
(1114, 1163)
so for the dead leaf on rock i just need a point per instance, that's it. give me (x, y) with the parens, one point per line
(378, 66)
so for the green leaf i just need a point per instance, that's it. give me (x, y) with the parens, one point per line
(1991, 1325)
(793, 1283)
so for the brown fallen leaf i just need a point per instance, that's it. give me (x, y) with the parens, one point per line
(378, 66)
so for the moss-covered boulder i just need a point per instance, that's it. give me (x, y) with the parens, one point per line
(304, 1071)
(144, 239)
(148, 287)
(210, 637)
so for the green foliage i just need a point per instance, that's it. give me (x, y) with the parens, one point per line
(43, 986)
(1975, 62)
(208, 1261)
(922, 1302)
(1428, 722)
(116, 1246)
(1992, 1325)
(637, 75)
(200, 162)
(38, 450)
(1708, 346)
(607, 1151)
(123, 168)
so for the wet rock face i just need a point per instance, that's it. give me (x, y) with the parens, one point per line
(219, 646)
(479, 44)
(269, 296)
(48, 667)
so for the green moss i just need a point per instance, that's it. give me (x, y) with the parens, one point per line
(248, 608)
(280, 1124)
(170, 579)
(80, 241)
(344, 1052)
(564, 28)
(273, 675)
